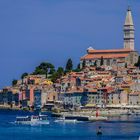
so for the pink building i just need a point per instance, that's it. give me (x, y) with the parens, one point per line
(31, 96)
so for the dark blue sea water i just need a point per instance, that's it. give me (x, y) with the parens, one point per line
(118, 128)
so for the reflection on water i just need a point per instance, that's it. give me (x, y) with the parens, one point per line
(118, 128)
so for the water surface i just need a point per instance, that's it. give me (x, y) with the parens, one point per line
(117, 128)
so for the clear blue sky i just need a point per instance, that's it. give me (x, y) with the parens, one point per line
(32, 31)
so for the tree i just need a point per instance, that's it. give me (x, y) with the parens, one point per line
(24, 75)
(44, 68)
(84, 63)
(125, 65)
(78, 66)
(14, 82)
(52, 70)
(55, 76)
(95, 63)
(102, 61)
(138, 63)
(69, 65)
(78, 69)
(60, 71)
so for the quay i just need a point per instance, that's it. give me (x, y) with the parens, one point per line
(103, 114)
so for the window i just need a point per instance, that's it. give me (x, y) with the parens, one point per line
(53, 97)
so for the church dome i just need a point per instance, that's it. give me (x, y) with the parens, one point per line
(90, 48)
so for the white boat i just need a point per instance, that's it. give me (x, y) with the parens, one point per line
(64, 120)
(33, 120)
(99, 118)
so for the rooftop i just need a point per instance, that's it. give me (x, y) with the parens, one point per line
(96, 56)
(109, 51)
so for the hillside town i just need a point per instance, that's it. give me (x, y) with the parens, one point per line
(106, 79)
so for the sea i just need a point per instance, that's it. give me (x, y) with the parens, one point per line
(116, 128)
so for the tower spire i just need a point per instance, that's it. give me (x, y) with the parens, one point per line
(129, 20)
(129, 30)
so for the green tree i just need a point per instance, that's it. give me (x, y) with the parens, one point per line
(52, 70)
(44, 68)
(14, 82)
(69, 65)
(78, 69)
(55, 76)
(24, 75)
(60, 71)
(138, 63)
(78, 66)
(84, 63)
(125, 65)
(102, 61)
(95, 63)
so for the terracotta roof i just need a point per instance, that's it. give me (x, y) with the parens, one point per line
(109, 51)
(134, 93)
(92, 90)
(95, 56)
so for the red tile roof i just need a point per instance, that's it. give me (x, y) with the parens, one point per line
(95, 56)
(109, 51)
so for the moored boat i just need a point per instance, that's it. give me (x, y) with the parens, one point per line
(98, 118)
(40, 119)
(66, 120)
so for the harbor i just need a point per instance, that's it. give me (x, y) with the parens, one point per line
(101, 115)
(120, 128)
(70, 70)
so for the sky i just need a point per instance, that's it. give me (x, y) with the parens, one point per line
(35, 31)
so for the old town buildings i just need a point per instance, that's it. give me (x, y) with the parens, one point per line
(107, 78)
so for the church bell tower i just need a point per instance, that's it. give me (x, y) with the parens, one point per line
(129, 31)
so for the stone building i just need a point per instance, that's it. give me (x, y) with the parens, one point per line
(126, 55)
(134, 98)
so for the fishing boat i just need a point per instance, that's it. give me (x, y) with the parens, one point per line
(39, 119)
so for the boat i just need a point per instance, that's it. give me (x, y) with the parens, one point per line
(99, 118)
(127, 113)
(39, 119)
(78, 118)
(99, 132)
(65, 120)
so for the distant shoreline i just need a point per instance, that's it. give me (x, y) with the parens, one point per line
(102, 112)
(2, 107)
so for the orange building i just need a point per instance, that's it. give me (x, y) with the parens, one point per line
(31, 96)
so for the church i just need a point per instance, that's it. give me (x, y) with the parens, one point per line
(125, 56)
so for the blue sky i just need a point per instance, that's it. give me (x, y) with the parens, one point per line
(32, 31)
